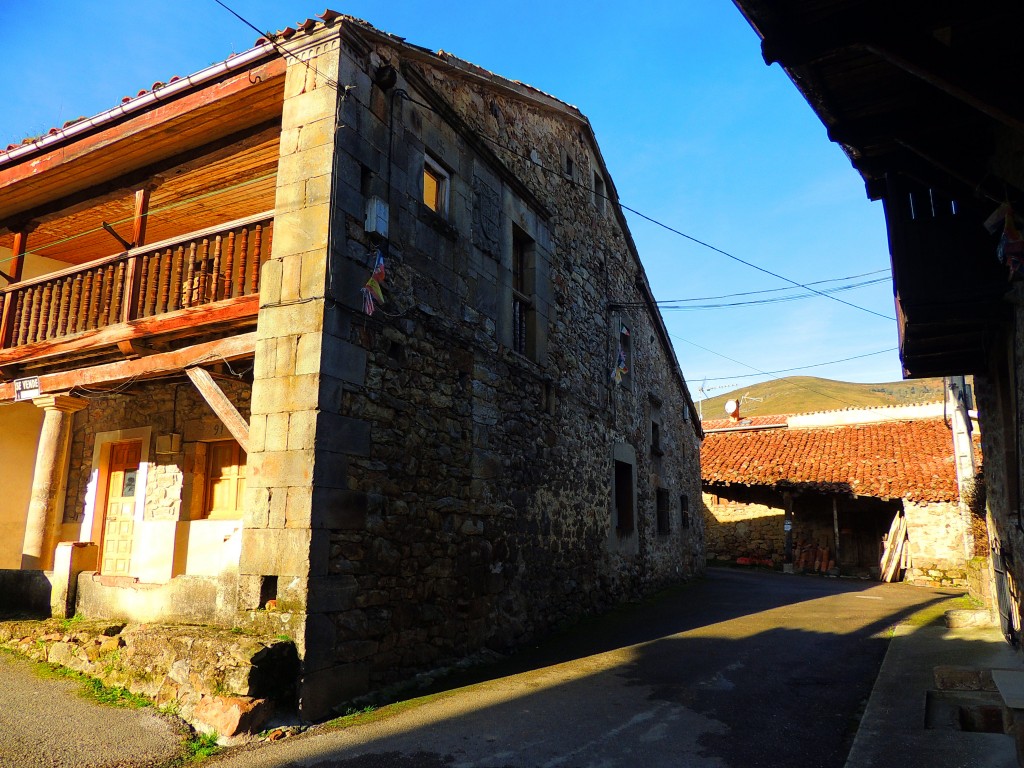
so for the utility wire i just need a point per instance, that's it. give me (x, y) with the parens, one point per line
(801, 367)
(777, 290)
(686, 307)
(759, 371)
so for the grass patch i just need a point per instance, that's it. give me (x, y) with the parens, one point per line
(94, 689)
(200, 746)
(934, 614)
(69, 623)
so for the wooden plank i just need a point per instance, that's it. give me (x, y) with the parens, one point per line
(191, 317)
(160, 364)
(218, 401)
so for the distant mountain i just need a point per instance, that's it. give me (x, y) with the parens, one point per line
(805, 394)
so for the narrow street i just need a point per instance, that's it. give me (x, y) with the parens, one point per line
(740, 669)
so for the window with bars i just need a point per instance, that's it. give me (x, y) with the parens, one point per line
(523, 340)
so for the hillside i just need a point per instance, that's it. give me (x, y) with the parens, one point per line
(804, 394)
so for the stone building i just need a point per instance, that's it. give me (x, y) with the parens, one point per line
(826, 492)
(341, 339)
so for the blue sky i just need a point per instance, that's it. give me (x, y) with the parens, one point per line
(697, 132)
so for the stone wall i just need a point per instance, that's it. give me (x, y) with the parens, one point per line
(744, 529)
(937, 535)
(463, 490)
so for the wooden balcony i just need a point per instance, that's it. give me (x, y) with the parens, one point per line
(194, 286)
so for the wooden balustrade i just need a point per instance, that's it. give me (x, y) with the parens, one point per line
(216, 264)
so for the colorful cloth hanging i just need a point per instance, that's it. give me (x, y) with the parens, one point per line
(620, 369)
(372, 290)
(1010, 250)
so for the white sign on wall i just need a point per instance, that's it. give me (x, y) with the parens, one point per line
(26, 389)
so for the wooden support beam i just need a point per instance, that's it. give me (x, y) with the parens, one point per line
(17, 263)
(152, 366)
(132, 350)
(218, 401)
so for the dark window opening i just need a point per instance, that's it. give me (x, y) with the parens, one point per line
(656, 438)
(664, 525)
(684, 511)
(523, 340)
(623, 497)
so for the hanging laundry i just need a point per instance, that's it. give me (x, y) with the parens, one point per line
(620, 369)
(1010, 250)
(372, 289)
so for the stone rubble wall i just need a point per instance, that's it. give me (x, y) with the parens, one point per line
(936, 535)
(739, 529)
(220, 681)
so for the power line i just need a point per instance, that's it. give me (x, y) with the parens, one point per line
(801, 367)
(688, 307)
(759, 371)
(776, 290)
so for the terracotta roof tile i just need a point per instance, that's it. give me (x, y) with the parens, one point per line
(746, 421)
(899, 459)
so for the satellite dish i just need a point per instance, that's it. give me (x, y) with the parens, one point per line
(732, 408)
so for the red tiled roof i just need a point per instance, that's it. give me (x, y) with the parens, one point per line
(746, 421)
(898, 459)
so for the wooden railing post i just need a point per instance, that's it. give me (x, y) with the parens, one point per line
(17, 263)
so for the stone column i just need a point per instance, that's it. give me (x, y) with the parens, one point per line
(49, 480)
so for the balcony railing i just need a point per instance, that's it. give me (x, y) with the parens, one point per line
(202, 268)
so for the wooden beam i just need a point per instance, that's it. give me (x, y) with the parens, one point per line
(133, 350)
(218, 401)
(152, 366)
(141, 212)
(191, 317)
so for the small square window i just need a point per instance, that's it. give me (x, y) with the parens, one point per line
(435, 186)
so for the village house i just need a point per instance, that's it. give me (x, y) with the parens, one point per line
(923, 99)
(847, 493)
(339, 339)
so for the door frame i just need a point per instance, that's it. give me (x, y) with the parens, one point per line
(99, 478)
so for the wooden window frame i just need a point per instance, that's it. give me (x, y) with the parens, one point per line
(442, 185)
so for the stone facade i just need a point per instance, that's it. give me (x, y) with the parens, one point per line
(462, 489)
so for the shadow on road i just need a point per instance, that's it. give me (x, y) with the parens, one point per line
(739, 668)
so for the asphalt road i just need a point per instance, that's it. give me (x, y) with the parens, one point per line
(45, 723)
(736, 670)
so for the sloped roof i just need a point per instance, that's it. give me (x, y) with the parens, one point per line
(745, 422)
(911, 460)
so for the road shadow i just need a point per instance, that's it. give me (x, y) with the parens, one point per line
(751, 669)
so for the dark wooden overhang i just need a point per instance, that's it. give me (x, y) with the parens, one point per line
(924, 97)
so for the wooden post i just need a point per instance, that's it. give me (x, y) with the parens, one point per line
(787, 525)
(17, 264)
(835, 525)
(138, 238)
